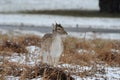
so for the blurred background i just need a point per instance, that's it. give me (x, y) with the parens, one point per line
(102, 16)
(111, 6)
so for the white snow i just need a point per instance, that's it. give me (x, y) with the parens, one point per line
(90, 35)
(17, 32)
(111, 73)
(12, 78)
(115, 51)
(30, 59)
(23, 5)
(66, 21)
(82, 51)
(33, 49)
(18, 78)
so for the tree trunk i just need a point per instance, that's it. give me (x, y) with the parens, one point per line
(112, 6)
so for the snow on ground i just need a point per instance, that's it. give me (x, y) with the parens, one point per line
(91, 35)
(27, 58)
(66, 21)
(88, 35)
(111, 73)
(15, 5)
(18, 78)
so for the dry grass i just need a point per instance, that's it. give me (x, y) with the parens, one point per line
(24, 71)
(71, 55)
(17, 44)
(102, 49)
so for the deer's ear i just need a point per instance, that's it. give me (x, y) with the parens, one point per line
(56, 23)
(53, 27)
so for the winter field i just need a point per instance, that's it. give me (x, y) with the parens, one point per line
(88, 54)
(83, 58)
(36, 22)
(15, 5)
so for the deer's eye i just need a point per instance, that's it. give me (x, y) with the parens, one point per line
(58, 29)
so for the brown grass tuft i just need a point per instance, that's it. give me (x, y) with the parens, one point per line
(18, 44)
(101, 47)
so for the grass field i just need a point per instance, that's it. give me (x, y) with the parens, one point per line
(81, 57)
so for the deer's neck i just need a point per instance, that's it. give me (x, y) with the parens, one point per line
(57, 46)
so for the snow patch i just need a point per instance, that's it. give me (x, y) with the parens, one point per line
(66, 21)
(15, 5)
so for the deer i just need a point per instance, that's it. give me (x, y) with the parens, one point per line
(52, 45)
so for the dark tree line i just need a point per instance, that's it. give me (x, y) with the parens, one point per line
(112, 6)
